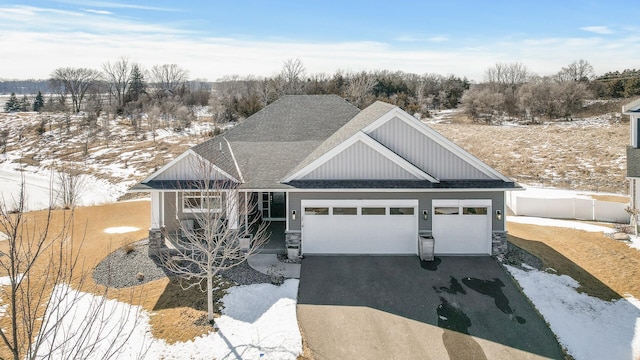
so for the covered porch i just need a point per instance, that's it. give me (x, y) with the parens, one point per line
(246, 211)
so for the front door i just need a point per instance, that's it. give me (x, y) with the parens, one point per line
(273, 205)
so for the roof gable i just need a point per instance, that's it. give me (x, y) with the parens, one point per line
(632, 107)
(428, 149)
(360, 158)
(188, 166)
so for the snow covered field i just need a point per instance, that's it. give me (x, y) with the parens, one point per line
(42, 188)
(258, 321)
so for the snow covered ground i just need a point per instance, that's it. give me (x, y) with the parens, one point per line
(258, 321)
(588, 327)
(571, 224)
(42, 187)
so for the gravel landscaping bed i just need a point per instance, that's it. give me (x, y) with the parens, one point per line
(517, 256)
(119, 269)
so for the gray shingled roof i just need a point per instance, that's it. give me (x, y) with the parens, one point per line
(292, 132)
(270, 143)
(365, 117)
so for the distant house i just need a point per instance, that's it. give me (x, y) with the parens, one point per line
(633, 159)
(338, 180)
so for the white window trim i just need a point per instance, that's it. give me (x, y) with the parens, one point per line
(201, 195)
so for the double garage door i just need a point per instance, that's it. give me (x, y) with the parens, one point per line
(460, 227)
(359, 226)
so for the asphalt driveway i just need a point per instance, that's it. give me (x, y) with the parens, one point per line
(396, 307)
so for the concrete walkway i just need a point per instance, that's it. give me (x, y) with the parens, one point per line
(268, 263)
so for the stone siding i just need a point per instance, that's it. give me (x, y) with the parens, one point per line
(498, 242)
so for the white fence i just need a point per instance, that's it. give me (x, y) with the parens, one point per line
(565, 205)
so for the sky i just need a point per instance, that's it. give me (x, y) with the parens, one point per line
(214, 39)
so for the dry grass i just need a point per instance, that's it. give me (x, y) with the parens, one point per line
(611, 198)
(605, 268)
(170, 307)
(564, 155)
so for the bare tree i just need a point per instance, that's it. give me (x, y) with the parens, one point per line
(538, 99)
(76, 82)
(57, 87)
(579, 70)
(292, 74)
(70, 184)
(506, 79)
(570, 96)
(168, 79)
(360, 86)
(44, 316)
(507, 76)
(4, 139)
(209, 242)
(482, 103)
(118, 77)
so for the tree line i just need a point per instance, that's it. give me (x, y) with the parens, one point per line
(511, 91)
(165, 97)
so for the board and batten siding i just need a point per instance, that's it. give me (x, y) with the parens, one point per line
(424, 203)
(359, 161)
(424, 152)
(186, 169)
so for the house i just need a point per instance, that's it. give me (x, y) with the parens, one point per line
(338, 180)
(633, 160)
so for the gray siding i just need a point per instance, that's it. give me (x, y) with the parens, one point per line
(188, 168)
(425, 153)
(359, 162)
(424, 202)
(633, 162)
(173, 214)
(171, 224)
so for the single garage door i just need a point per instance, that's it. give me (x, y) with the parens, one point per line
(360, 226)
(462, 227)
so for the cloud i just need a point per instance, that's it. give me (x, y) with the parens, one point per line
(601, 30)
(115, 5)
(35, 41)
(413, 39)
(99, 12)
(92, 21)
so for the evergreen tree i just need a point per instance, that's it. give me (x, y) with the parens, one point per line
(137, 86)
(38, 103)
(12, 104)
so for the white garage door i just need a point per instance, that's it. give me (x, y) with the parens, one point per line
(360, 226)
(462, 226)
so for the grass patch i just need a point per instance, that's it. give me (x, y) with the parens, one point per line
(605, 268)
(611, 198)
(186, 310)
(555, 263)
(562, 155)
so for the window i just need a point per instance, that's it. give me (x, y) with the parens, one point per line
(401, 211)
(316, 211)
(195, 201)
(373, 211)
(474, 211)
(446, 210)
(345, 211)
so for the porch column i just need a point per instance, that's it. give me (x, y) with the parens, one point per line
(232, 209)
(156, 210)
(156, 232)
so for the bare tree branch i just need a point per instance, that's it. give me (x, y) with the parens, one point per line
(210, 241)
(45, 317)
(76, 82)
